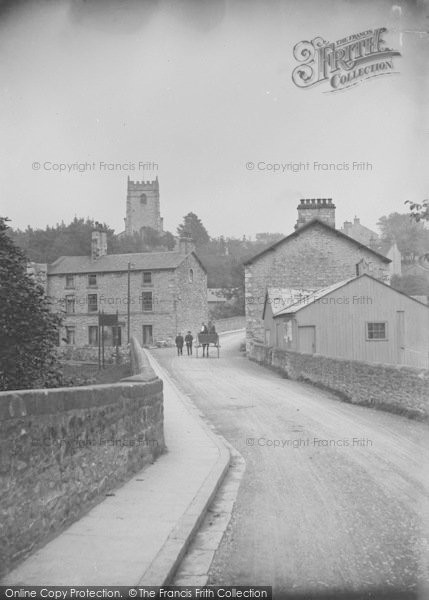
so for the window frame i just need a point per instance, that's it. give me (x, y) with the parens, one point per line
(376, 339)
(70, 299)
(70, 329)
(92, 285)
(96, 328)
(147, 283)
(146, 293)
(92, 304)
(70, 286)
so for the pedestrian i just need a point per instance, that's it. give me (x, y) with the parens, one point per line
(204, 330)
(179, 343)
(188, 341)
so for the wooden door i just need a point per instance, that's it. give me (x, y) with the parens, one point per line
(307, 339)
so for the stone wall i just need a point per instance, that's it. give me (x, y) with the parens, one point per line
(230, 324)
(311, 260)
(62, 450)
(90, 354)
(402, 390)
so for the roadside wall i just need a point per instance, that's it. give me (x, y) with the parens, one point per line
(402, 390)
(230, 324)
(62, 450)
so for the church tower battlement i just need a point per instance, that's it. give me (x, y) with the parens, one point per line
(143, 207)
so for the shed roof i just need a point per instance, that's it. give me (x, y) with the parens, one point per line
(312, 298)
(119, 262)
(308, 225)
(281, 298)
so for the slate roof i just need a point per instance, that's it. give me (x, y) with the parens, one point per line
(294, 308)
(281, 298)
(311, 298)
(118, 262)
(312, 223)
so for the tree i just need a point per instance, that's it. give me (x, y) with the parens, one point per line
(29, 330)
(193, 227)
(413, 285)
(46, 245)
(419, 212)
(411, 236)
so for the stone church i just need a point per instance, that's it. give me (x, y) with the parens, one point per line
(314, 256)
(143, 207)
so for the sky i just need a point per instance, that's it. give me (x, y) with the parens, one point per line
(200, 89)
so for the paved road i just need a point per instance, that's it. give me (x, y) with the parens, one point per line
(345, 509)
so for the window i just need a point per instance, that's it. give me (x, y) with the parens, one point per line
(93, 335)
(70, 305)
(147, 277)
(191, 275)
(92, 303)
(70, 336)
(147, 302)
(143, 198)
(376, 331)
(92, 280)
(69, 281)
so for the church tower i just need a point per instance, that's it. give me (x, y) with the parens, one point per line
(143, 209)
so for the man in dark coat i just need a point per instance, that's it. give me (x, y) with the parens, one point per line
(179, 343)
(188, 341)
(204, 329)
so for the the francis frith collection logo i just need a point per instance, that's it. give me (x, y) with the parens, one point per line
(344, 63)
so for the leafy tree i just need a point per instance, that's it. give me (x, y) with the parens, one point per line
(411, 236)
(192, 226)
(419, 212)
(46, 245)
(413, 285)
(269, 238)
(29, 331)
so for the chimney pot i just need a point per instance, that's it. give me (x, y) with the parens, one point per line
(316, 208)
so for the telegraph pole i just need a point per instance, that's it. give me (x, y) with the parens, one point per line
(128, 303)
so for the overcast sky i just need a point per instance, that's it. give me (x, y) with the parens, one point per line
(201, 88)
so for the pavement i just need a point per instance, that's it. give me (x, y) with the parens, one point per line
(140, 534)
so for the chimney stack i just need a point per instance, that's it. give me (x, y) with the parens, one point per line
(316, 208)
(98, 244)
(185, 245)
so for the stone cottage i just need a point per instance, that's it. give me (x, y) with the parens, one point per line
(166, 292)
(314, 256)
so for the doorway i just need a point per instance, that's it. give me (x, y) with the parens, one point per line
(307, 339)
(147, 335)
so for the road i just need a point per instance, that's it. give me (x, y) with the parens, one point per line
(334, 496)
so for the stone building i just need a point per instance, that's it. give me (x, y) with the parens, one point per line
(360, 233)
(314, 256)
(166, 293)
(143, 207)
(370, 238)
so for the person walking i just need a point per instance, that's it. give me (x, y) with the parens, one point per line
(188, 341)
(204, 329)
(179, 344)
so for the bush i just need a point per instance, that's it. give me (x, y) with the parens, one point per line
(29, 331)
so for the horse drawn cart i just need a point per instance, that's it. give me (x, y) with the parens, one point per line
(205, 340)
